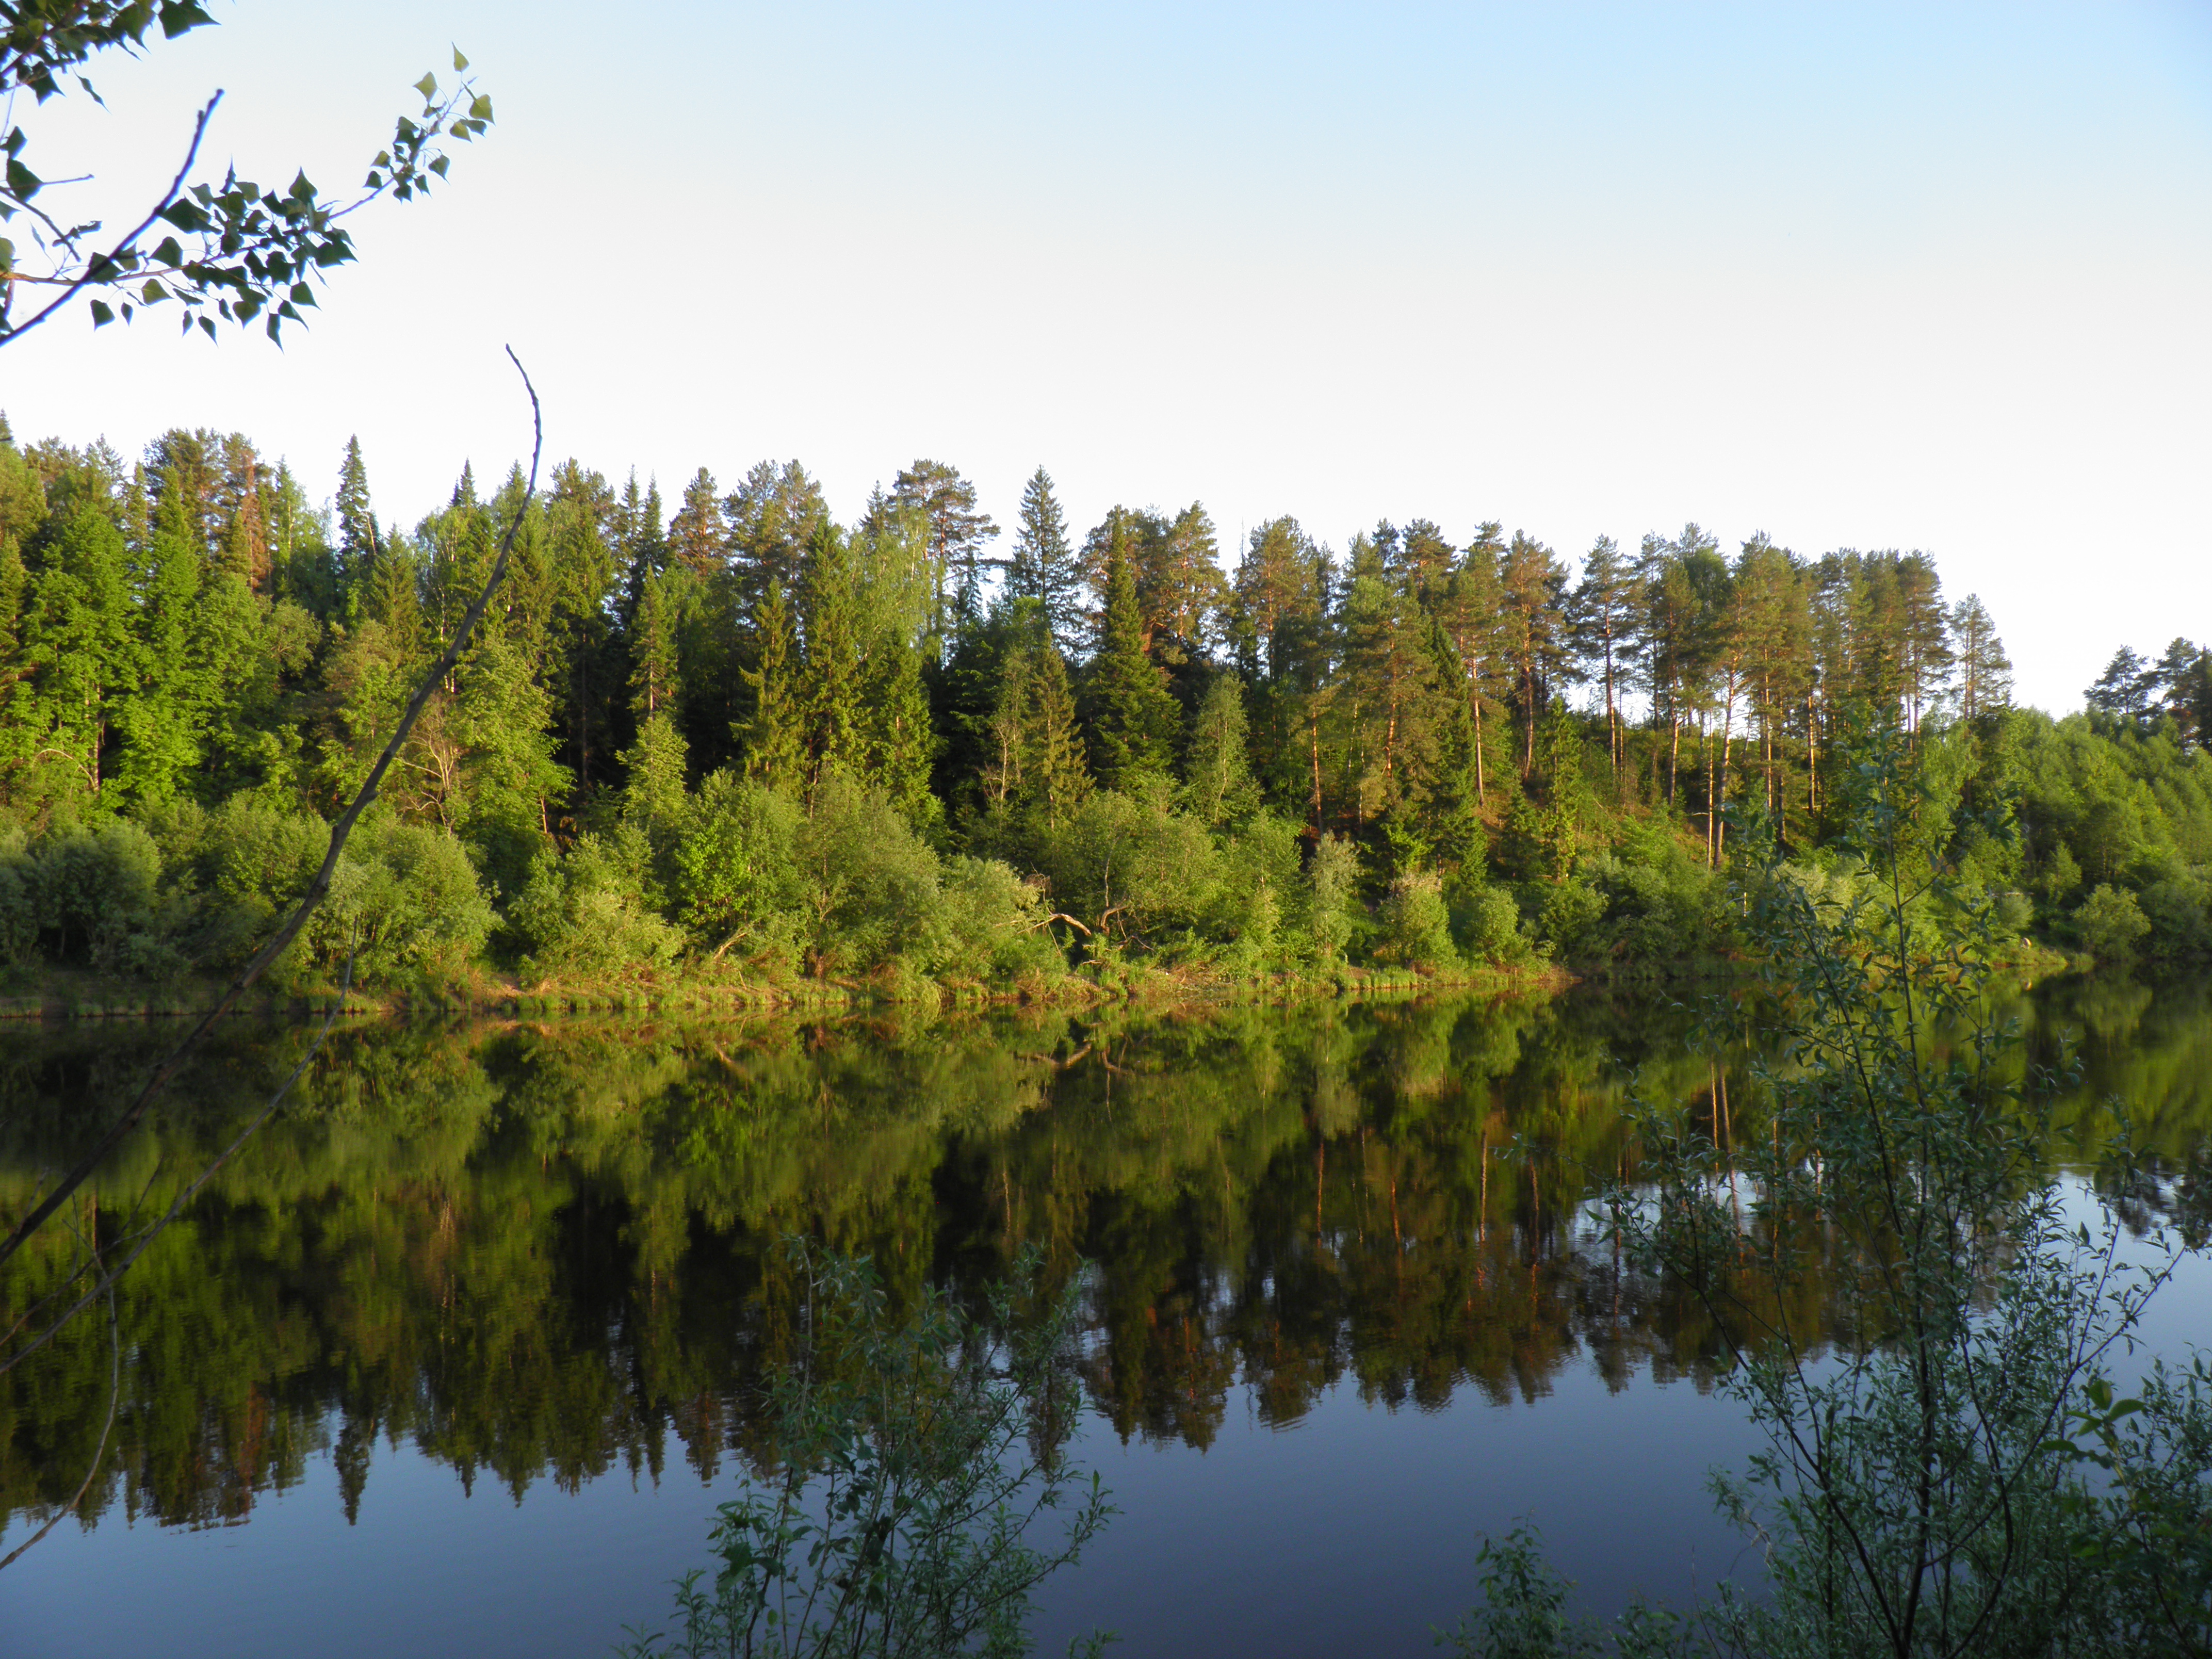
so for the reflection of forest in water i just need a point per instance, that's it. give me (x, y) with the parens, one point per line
(535, 1252)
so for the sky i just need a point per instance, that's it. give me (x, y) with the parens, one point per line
(1925, 275)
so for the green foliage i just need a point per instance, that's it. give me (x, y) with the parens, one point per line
(86, 896)
(1220, 786)
(1412, 927)
(192, 632)
(1332, 898)
(2111, 924)
(587, 913)
(867, 884)
(1524, 1614)
(737, 872)
(406, 904)
(247, 253)
(915, 1460)
(1131, 715)
(1922, 1490)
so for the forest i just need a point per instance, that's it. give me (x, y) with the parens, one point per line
(741, 740)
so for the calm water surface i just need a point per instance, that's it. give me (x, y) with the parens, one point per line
(457, 1356)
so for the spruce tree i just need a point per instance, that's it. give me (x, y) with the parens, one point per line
(1058, 781)
(1219, 788)
(773, 741)
(1044, 567)
(837, 644)
(358, 543)
(656, 677)
(1131, 716)
(653, 796)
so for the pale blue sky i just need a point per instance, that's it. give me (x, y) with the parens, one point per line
(1915, 276)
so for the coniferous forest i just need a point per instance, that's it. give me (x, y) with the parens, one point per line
(731, 739)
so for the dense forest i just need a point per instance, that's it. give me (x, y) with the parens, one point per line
(739, 738)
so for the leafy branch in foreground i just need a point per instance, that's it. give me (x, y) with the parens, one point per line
(916, 1458)
(235, 249)
(1948, 1471)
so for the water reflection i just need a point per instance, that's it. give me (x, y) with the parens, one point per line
(543, 1254)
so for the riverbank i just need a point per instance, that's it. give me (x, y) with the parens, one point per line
(65, 996)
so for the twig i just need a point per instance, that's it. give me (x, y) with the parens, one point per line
(106, 263)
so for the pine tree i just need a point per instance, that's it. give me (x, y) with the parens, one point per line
(2123, 689)
(957, 531)
(1423, 562)
(1984, 672)
(1044, 566)
(1601, 622)
(1131, 716)
(1191, 589)
(698, 538)
(1532, 591)
(773, 517)
(1279, 624)
(1923, 645)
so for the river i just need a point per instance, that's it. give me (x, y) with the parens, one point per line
(458, 1356)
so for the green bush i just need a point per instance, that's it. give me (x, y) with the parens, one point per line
(2111, 924)
(867, 883)
(2179, 911)
(1489, 925)
(587, 913)
(88, 896)
(736, 885)
(1412, 925)
(1247, 910)
(1332, 916)
(406, 901)
(990, 924)
(1571, 916)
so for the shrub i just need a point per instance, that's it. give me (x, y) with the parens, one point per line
(989, 923)
(87, 896)
(406, 901)
(869, 885)
(736, 872)
(1332, 895)
(2111, 924)
(1258, 882)
(2179, 911)
(1489, 925)
(587, 913)
(1412, 925)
